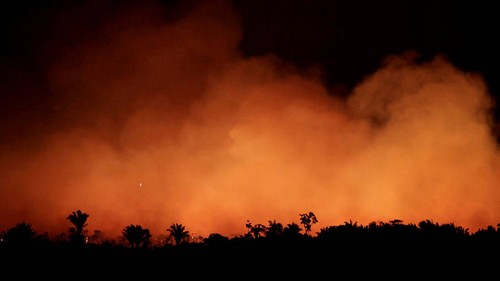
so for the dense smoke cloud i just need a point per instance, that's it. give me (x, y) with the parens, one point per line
(161, 121)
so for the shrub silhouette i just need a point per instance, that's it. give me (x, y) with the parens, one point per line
(21, 235)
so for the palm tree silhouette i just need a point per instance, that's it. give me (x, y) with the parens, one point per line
(179, 232)
(136, 235)
(79, 220)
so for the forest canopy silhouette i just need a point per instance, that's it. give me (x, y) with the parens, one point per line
(405, 248)
(24, 235)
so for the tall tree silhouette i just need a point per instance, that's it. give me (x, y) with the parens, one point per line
(179, 232)
(136, 235)
(307, 220)
(79, 220)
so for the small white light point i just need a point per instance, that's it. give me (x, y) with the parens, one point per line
(140, 184)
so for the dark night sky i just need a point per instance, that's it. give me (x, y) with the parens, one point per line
(349, 39)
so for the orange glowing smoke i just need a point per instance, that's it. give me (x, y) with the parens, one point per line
(165, 122)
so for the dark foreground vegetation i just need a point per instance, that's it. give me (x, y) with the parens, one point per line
(391, 250)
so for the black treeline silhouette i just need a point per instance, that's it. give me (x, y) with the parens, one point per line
(383, 249)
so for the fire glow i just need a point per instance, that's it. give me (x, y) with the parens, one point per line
(215, 139)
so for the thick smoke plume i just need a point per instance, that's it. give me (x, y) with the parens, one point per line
(158, 120)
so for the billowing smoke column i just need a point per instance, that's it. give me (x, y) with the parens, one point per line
(159, 122)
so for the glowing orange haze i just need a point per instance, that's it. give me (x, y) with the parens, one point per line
(217, 139)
